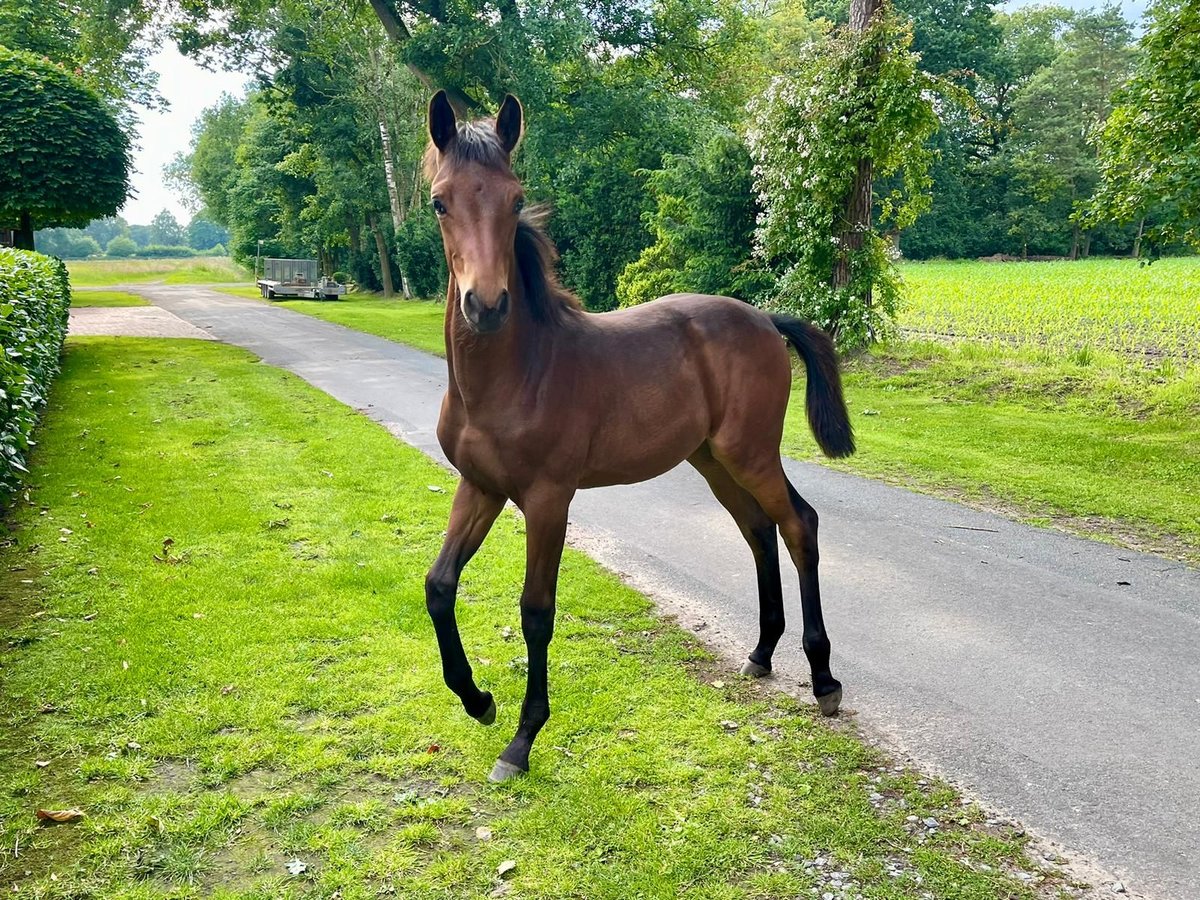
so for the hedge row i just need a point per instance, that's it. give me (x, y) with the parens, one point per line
(35, 299)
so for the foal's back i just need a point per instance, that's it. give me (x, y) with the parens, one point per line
(651, 384)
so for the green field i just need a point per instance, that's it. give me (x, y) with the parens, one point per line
(88, 297)
(1101, 304)
(214, 645)
(192, 270)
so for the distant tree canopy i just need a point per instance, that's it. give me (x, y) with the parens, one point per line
(1149, 165)
(64, 160)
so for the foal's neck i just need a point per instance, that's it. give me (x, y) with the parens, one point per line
(490, 370)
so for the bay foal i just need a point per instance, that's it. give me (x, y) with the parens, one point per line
(545, 399)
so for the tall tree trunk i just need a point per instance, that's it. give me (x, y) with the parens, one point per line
(385, 264)
(389, 173)
(1074, 242)
(856, 209)
(23, 237)
(1137, 241)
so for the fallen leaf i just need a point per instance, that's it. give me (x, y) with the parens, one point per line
(505, 867)
(93, 571)
(228, 689)
(728, 725)
(437, 489)
(41, 763)
(125, 665)
(483, 833)
(197, 615)
(501, 889)
(718, 684)
(296, 867)
(59, 816)
(90, 616)
(433, 748)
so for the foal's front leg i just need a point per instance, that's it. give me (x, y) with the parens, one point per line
(471, 519)
(545, 532)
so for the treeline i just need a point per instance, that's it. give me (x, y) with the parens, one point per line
(637, 123)
(114, 237)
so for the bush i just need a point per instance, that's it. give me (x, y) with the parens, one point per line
(121, 247)
(162, 251)
(419, 254)
(35, 298)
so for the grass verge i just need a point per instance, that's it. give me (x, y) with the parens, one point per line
(215, 645)
(192, 270)
(1089, 443)
(88, 297)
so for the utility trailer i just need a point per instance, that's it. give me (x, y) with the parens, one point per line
(297, 278)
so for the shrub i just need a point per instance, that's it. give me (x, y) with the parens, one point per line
(419, 254)
(161, 251)
(121, 247)
(35, 298)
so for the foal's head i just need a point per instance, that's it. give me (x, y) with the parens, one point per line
(478, 202)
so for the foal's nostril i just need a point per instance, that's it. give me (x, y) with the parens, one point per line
(502, 304)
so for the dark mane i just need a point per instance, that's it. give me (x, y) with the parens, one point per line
(537, 260)
(537, 257)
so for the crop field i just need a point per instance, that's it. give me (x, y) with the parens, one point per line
(1098, 304)
(192, 270)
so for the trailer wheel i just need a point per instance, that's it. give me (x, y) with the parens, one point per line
(270, 294)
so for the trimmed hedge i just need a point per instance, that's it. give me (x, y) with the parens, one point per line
(35, 299)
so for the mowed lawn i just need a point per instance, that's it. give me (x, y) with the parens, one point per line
(213, 643)
(191, 270)
(91, 297)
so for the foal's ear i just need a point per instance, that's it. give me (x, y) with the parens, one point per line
(510, 123)
(442, 125)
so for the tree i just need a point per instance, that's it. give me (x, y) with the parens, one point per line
(166, 230)
(204, 234)
(64, 160)
(1149, 147)
(121, 247)
(66, 243)
(859, 107)
(1054, 162)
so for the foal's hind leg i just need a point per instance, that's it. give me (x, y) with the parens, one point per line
(471, 519)
(797, 521)
(760, 533)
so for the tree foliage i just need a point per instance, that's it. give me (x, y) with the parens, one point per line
(64, 160)
(1149, 163)
(808, 134)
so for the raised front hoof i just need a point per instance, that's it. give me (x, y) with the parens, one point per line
(754, 670)
(505, 771)
(831, 702)
(488, 716)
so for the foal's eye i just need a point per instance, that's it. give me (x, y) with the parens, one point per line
(439, 207)
(519, 205)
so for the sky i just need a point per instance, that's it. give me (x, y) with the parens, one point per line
(189, 89)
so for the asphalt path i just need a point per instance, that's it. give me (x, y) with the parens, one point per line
(1056, 678)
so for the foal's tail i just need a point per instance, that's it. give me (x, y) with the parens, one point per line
(827, 415)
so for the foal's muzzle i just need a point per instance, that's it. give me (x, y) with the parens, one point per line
(483, 318)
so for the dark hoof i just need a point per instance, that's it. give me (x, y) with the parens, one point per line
(504, 771)
(488, 716)
(754, 670)
(830, 702)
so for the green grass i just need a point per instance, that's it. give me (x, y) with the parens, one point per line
(193, 270)
(263, 686)
(88, 297)
(1091, 443)
(417, 323)
(1101, 304)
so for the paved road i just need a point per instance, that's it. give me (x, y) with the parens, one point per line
(1057, 678)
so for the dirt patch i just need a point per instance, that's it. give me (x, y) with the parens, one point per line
(132, 321)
